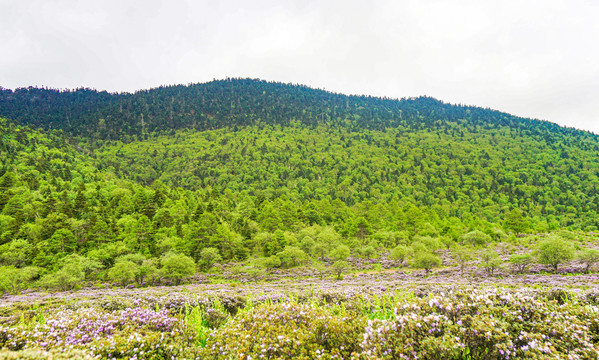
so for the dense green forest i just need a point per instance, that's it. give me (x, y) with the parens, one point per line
(248, 168)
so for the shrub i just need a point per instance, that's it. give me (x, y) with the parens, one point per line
(36, 354)
(431, 243)
(341, 252)
(66, 278)
(123, 272)
(177, 266)
(319, 268)
(419, 248)
(426, 261)
(148, 270)
(13, 279)
(306, 244)
(291, 256)
(286, 331)
(476, 238)
(254, 273)
(400, 253)
(368, 252)
(319, 249)
(485, 325)
(267, 262)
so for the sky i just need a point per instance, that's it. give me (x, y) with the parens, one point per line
(537, 59)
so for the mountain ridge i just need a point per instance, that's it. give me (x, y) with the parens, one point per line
(239, 102)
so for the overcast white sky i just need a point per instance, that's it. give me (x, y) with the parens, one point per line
(536, 59)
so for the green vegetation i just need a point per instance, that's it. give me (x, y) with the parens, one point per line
(154, 186)
(426, 323)
(555, 251)
(521, 261)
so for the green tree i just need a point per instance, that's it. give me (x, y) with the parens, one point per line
(476, 238)
(319, 250)
(270, 262)
(554, 251)
(462, 255)
(17, 252)
(339, 267)
(306, 244)
(516, 221)
(521, 261)
(589, 257)
(208, 257)
(63, 240)
(149, 271)
(291, 256)
(123, 272)
(66, 278)
(426, 261)
(360, 228)
(7, 181)
(341, 252)
(13, 279)
(490, 261)
(400, 253)
(177, 266)
(328, 236)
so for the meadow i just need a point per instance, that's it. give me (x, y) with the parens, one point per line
(375, 311)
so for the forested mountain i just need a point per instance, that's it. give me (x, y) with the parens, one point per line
(245, 102)
(249, 167)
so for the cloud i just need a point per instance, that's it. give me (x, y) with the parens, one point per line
(524, 57)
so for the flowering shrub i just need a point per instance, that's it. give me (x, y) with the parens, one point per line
(36, 354)
(372, 322)
(121, 333)
(483, 325)
(284, 331)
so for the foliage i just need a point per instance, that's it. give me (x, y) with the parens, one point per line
(341, 252)
(515, 220)
(446, 322)
(554, 251)
(249, 168)
(480, 325)
(521, 261)
(208, 257)
(123, 271)
(14, 279)
(74, 270)
(291, 256)
(17, 253)
(339, 267)
(462, 256)
(287, 330)
(476, 238)
(400, 253)
(426, 261)
(177, 266)
(36, 354)
(589, 257)
(270, 262)
(490, 261)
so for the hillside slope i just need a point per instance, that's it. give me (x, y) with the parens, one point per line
(241, 102)
(249, 167)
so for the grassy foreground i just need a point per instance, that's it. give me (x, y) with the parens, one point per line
(431, 322)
